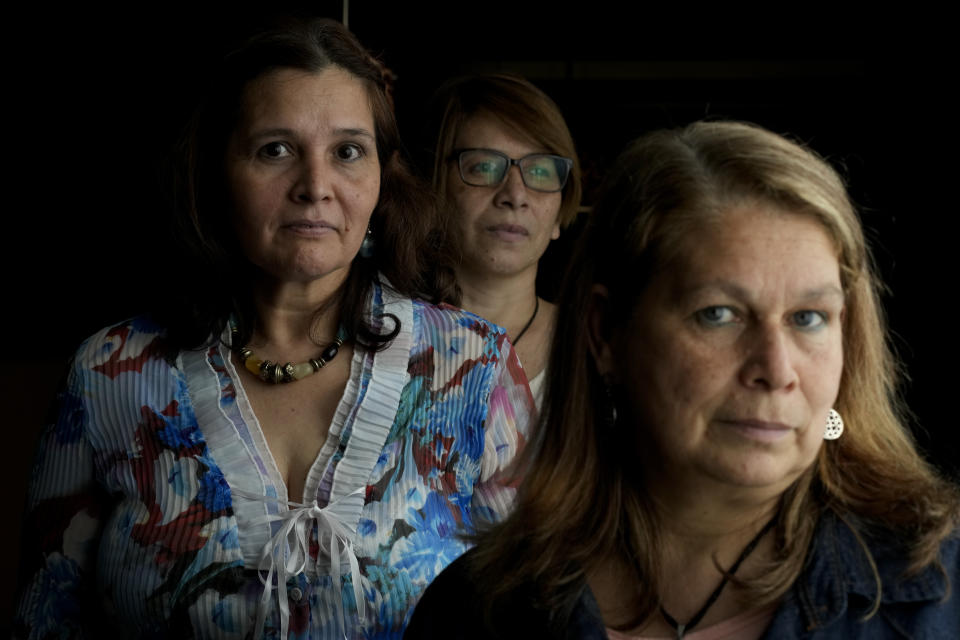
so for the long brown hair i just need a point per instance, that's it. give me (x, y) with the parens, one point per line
(216, 277)
(579, 502)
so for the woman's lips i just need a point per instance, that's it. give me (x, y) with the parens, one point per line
(310, 228)
(508, 232)
(761, 430)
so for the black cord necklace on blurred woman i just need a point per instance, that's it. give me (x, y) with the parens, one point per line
(681, 629)
(536, 307)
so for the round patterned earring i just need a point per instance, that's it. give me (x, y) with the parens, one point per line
(834, 425)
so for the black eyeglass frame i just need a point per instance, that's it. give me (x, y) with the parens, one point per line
(457, 154)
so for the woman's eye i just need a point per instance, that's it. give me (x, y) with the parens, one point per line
(540, 167)
(808, 319)
(350, 152)
(483, 168)
(716, 316)
(274, 150)
(540, 173)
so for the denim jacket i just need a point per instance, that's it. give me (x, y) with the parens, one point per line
(828, 602)
(838, 589)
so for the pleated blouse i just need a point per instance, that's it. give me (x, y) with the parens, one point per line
(156, 510)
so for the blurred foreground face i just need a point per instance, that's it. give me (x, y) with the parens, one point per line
(733, 355)
(303, 172)
(505, 227)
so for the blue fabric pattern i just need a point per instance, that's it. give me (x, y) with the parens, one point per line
(140, 530)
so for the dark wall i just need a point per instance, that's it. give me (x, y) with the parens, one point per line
(96, 98)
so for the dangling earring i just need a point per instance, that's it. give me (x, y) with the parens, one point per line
(368, 244)
(608, 408)
(834, 425)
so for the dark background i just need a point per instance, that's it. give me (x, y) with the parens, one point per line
(94, 99)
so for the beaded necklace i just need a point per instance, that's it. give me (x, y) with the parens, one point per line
(276, 373)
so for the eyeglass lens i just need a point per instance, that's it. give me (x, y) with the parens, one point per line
(487, 168)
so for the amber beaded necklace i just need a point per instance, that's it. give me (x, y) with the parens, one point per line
(276, 373)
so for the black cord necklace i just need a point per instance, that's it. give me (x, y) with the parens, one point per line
(695, 620)
(536, 307)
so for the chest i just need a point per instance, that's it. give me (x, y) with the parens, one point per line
(533, 349)
(295, 419)
(396, 467)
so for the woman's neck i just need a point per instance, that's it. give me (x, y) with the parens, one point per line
(508, 301)
(693, 588)
(713, 512)
(294, 317)
(697, 535)
(511, 302)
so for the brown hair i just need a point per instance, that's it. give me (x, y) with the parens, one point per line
(404, 221)
(522, 107)
(872, 477)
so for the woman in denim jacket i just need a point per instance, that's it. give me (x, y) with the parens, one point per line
(724, 453)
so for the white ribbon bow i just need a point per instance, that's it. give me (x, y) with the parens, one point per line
(288, 553)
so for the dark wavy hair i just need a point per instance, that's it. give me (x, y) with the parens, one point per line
(215, 282)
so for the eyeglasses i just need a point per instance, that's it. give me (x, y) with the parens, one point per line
(488, 168)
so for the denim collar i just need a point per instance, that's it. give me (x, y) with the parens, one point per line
(839, 582)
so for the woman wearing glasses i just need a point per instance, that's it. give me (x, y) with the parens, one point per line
(506, 167)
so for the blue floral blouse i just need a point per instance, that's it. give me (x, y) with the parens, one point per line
(156, 510)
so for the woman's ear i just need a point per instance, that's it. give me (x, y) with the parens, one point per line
(599, 333)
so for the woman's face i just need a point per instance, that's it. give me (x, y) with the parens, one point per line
(504, 229)
(303, 172)
(733, 354)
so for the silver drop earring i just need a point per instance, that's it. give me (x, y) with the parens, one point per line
(609, 406)
(368, 244)
(834, 425)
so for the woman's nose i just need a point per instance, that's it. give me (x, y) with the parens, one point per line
(770, 360)
(313, 183)
(512, 191)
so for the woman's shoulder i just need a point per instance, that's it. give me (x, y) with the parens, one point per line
(458, 342)
(449, 607)
(864, 558)
(458, 338)
(849, 561)
(454, 607)
(445, 316)
(123, 345)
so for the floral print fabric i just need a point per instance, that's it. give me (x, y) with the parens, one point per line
(154, 494)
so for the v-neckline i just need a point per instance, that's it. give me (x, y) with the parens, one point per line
(316, 470)
(359, 429)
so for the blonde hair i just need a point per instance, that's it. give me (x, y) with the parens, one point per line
(579, 502)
